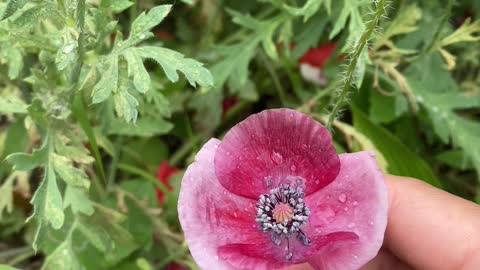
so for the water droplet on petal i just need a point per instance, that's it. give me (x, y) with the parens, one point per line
(345, 209)
(235, 214)
(351, 225)
(342, 198)
(293, 168)
(355, 203)
(370, 222)
(316, 182)
(277, 158)
(304, 147)
(216, 258)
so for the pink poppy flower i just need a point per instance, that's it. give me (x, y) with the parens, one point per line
(164, 172)
(274, 193)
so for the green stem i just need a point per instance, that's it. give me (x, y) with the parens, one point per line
(275, 79)
(112, 171)
(183, 249)
(440, 27)
(133, 170)
(380, 10)
(183, 151)
(15, 252)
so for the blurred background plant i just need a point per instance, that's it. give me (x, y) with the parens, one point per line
(103, 103)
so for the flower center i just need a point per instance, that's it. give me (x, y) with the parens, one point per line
(281, 214)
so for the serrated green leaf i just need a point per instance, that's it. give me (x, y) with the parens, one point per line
(108, 83)
(144, 127)
(404, 22)
(146, 21)
(401, 160)
(455, 159)
(171, 61)
(14, 58)
(141, 78)
(307, 10)
(465, 33)
(48, 206)
(118, 6)
(125, 103)
(78, 200)
(12, 104)
(71, 175)
(27, 162)
(31, 16)
(350, 10)
(438, 93)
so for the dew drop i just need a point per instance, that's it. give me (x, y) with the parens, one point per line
(370, 222)
(235, 214)
(142, 36)
(351, 225)
(228, 153)
(293, 168)
(277, 158)
(304, 147)
(372, 154)
(216, 146)
(216, 258)
(316, 182)
(342, 198)
(355, 203)
(345, 209)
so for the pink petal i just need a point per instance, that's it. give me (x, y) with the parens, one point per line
(276, 147)
(268, 256)
(210, 215)
(355, 202)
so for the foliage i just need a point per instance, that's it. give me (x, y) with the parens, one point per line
(94, 95)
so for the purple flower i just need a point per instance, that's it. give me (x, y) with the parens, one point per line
(274, 193)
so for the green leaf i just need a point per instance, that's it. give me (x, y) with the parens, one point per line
(171, 61)
(307, 11)
(438, 93)
(109, 81)
(12, 7)
(48, 206)
(63, 257)
(310, 34)
(401, 160)
(404, 22)
(6, 200)
(351, 9)
(31, 16)
(78, 200)
(12, 104)
(125, 103)
(72, 176)
(141, 78)
(144, 127)
(118, 6)
(6, 267)
(27, 162)
(465, 33)
(455, 159)
(385, 109)
(146, 21)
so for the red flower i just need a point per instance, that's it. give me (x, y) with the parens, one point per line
(312, 62)
(274, 193)
(227, 104)
(165, 171)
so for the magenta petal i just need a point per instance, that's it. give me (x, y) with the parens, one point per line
(355, 202)
(268, 256)
(210, 215)
(275, 147)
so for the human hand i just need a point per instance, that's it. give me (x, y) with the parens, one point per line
(427, 229)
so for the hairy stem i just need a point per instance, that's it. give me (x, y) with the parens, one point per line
(350, 76)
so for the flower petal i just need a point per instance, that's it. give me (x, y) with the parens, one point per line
(355, 202)
(210, 215)
(265, 256)
(275, 147)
